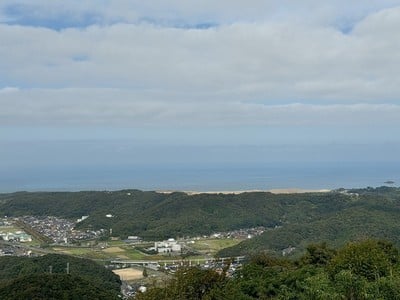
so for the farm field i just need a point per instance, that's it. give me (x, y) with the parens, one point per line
(105, 254)
(118, 250)
(212, 246)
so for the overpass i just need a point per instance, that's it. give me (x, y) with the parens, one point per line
(177, 261)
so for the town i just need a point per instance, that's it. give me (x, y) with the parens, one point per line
(129, 258)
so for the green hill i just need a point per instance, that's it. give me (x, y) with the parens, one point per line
(23, 274)
(292, 219)
(373, 213)
(156, 215)
(55, 286)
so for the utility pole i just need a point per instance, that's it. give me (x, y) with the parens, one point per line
(67, 267)
(51, 269)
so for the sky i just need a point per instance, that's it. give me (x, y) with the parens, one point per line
(121, 82)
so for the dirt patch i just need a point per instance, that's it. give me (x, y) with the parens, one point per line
(129, 274)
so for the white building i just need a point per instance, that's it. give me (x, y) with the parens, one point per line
(17, 236)
(167, 246)
(82, 219)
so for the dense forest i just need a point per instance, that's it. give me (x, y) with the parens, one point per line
(363, 213)
(368, 269)
(46, 277)
(291, 219)
(56, 286)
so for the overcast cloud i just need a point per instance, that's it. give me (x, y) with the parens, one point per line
(274, 68)
(90, 83)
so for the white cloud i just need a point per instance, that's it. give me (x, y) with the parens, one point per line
(241, 61)
(236, 73)
(8, 89)
(190, 11)
(99, 107)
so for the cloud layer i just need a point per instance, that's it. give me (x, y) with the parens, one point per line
(74, 13)
(99, 107)
(256, 66)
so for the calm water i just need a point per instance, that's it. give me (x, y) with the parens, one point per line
(202, 177)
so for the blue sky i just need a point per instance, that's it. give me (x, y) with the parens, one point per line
(92, 82)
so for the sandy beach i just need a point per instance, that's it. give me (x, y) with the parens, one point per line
(273, 191)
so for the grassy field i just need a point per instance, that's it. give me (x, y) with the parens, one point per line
(11, 229)
(212, 246)
(116, 243)
(82, 252)
(111, 253)
(118, 250)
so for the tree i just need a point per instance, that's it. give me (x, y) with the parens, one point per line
(318, 254)
(370, 259)
(188, 283)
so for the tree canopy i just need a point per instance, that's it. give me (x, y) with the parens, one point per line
(365, 270)
(31, 278)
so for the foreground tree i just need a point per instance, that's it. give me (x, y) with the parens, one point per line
(365, 270)
(188, 283)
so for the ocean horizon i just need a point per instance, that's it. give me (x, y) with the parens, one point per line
(202, 177)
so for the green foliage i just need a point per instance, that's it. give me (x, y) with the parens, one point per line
(334, 218)
(15, 268)
(369, 259)
(157, 215)
(188, 283)
(54, 286)
(321, 274)
(300, 219)
(318, 254)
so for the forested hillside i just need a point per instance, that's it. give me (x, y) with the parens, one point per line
(157, 215)
(30, 278)
(292, 219)
(366, 213)
(56, 286)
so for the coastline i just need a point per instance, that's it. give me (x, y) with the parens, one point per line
(273, 191)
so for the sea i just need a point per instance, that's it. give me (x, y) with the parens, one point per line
(201, 177)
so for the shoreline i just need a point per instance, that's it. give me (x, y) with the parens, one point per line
(272, 191)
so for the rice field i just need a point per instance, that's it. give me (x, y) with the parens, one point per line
(120, 250)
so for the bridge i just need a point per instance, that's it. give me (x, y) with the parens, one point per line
(189, 262)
